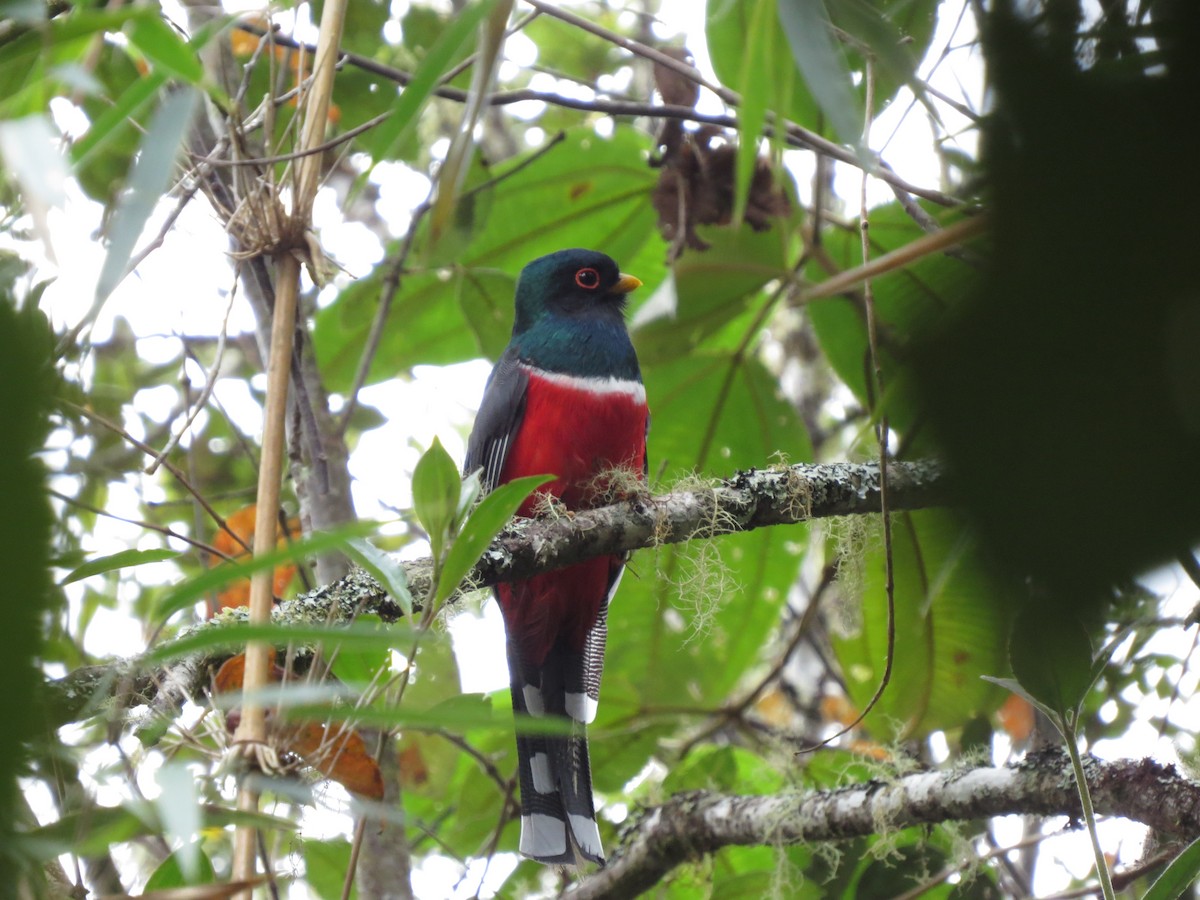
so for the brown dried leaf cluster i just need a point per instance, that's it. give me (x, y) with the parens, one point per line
(699, 172)
(337, 751)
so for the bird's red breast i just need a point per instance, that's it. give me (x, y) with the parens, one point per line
(580, 429)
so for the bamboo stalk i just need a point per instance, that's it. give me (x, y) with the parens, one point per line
(251, 733)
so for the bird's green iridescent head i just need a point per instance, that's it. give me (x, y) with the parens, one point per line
(570, 314)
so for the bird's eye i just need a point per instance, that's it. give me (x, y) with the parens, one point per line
(588, 278)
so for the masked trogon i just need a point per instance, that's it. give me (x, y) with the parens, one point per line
(565, 399)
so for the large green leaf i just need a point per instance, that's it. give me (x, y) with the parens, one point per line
(907, 301)
(688, 621)
(897, 33)
(586, 192)
(714, 287)
(951, 628)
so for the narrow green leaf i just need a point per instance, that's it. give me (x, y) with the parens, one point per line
(386, 570)
(485, 523)
(755, 86)
(169, 873)
(164, 47)
(436, 487)
(428, 74)
(1178, 876)
(149, 180)
(820, 61)
(117, 117)
(179, 810)
(462, 149)
(459, 714)
(365, 636)
(1014, 686)
(122, 560)
(193, 589)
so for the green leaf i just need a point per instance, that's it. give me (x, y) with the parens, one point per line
(713, 288)
(160, 43)
(178, 807)
(1178, 876)
(198, 586)
(169, 873)
(122, 560)
(492, 514)
(895, 34)
(151, 175)
(948, 616)
(807, 27)
(358, 663)
(385, 569)
(436, 486)
(1051, 657)
(325, 867)
(441, 56)
(587, 191)
(365, 636)
(690, 620)
(907, 302)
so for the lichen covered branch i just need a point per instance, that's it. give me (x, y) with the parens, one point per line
(692, 825)
(758, 498)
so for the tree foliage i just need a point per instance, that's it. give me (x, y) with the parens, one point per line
(1026, 315)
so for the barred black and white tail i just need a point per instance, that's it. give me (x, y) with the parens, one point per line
(558, 815)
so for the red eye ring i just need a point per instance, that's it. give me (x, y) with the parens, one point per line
(587, 278)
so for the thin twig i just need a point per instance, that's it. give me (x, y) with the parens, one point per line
(794, 135)
(148, 526)
(174, 470)
(210, 382)
(391, 281)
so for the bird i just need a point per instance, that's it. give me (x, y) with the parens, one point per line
(565, 399)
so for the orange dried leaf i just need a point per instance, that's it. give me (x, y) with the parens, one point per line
(413, 770)
(1017, 718)
(232, 673)
(870, 750)
(233, 540)
(340, 755)
(838, 709)
(774, 708)
(242, 43)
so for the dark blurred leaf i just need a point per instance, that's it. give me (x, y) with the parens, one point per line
(1066, 396)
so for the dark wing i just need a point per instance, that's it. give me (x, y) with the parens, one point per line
(499, 417)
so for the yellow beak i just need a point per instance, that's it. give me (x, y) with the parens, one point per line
(626, 283)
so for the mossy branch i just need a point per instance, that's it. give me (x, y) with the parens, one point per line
(693, 825)
(758, 498)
